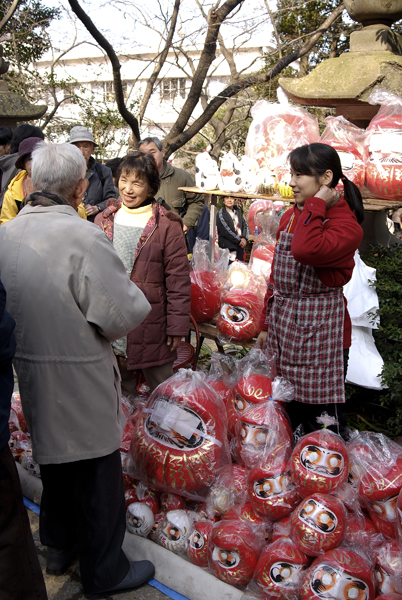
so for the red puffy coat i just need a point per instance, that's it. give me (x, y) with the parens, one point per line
(161, 270)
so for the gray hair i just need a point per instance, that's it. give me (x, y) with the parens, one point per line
(57, 167)
(149, 140)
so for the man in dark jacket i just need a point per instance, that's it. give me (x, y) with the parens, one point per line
(101, 186)
(189, 205)
(20, 572)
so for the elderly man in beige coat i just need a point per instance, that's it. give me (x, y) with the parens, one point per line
(70, 296)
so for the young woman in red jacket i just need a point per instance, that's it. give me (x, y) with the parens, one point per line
(307, 325)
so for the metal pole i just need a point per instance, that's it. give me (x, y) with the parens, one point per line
(212, 227)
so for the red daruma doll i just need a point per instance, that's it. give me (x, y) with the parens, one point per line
(233, 552)
(339, 574)
(271, 490)
(280, 569)
(319, 463)
(384, 163)
(318, 524)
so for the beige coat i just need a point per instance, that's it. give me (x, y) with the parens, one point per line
(70, 296)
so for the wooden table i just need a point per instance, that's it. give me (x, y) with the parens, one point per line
(374, 226)
(210, 331)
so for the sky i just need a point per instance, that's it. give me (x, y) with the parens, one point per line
(121, 23)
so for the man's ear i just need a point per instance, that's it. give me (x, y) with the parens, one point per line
(79, 191)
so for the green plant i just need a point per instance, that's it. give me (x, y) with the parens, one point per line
(382, 410)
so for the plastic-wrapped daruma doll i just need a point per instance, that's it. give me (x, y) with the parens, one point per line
(233, 552)
(280, 570)
(306, 319)
(318, 524)
(339, 574)
(319, 463)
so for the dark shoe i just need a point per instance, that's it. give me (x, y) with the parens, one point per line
(139, 573)
(58, 561)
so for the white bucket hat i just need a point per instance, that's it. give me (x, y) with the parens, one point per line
(81, 134)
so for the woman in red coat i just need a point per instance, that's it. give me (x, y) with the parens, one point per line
(307, 325)
(149, 240)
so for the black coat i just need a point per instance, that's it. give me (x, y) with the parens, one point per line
(101, 186)
(7, 350)
(227, 238)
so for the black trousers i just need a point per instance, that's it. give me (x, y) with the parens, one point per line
(20, 573)
(83, 503)
(304, 414)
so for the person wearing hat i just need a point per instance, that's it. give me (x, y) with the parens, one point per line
(8, 160)
(21, 185)
(101, 186)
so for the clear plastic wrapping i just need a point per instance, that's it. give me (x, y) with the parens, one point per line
(376, 467)
(384, 160)
(242, 302)
(206, 282)
(349, 141)
(279, 571)
(320, 463)
(318, 524)
(263, 250)
(388, 568)
(233, 552)
(271, 490)
(339, 574)
(276, 130)
(180, 441)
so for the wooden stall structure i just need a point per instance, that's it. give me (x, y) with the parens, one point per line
(374, 227)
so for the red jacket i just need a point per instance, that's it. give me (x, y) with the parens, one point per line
(161, 270)
(327, 240)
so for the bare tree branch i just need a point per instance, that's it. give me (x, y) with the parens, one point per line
(215, 20)
(175, 142)
(116, 66)
(157, 69)
(278, 41)
(9, 14)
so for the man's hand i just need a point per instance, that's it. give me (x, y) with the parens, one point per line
(243, 243)
(185, 228)
(261, 340)
(329, 195)
(91, 210)
(173, 341)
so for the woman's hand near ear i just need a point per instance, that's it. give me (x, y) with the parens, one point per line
(329, 195)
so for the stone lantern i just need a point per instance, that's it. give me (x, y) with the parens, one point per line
(15, 109)
(374, 61)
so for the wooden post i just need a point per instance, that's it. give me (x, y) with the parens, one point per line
(212, 227)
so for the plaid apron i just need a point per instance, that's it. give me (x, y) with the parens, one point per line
(305, 329)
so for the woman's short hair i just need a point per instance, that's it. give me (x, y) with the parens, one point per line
(145, 168)
(57, 167)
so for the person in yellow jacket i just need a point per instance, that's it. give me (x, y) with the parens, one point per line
(21, 185)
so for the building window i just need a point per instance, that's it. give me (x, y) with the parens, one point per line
(172, 87)
(103, 90)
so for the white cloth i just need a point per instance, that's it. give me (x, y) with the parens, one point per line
(365, 362)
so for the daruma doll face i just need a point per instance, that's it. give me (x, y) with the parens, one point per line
(319, 463)
(232, 552)
(318, 524)
(339, 574)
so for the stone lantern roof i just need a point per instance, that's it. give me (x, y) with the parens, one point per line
(374, 61)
